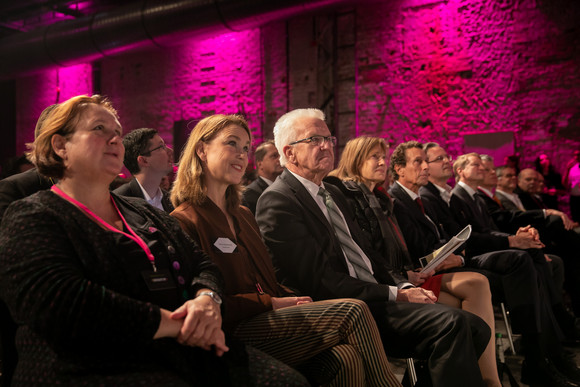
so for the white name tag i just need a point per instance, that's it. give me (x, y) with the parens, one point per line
(225, 245)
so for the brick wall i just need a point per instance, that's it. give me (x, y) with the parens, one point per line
(412, 69)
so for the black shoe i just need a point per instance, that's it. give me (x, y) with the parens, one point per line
(567, 367)
(544, 374)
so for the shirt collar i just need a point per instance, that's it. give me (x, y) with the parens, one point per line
(311, 187)
(268, 181)
(506, 194)
(412, 194)
(155, 200)
(469, 190)
(486, 191)
(444, 192)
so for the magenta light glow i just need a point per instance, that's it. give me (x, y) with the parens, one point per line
(223, 75)
(38, 91)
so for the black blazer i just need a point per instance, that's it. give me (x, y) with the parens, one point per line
(422, 236)
(511, 220)
(304, 248)
(439, 209)
(529, 201)
(252, 193)
(20, 186)
(132, 189)
(485, 237)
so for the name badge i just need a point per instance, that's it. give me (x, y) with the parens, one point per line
(159, 280)
(225, 245)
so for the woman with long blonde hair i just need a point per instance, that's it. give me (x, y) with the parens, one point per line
(337, 339)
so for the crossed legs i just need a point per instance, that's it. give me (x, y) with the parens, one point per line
(338, 335)
(470, 291)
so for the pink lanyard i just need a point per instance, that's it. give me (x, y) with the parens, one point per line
(133, 236)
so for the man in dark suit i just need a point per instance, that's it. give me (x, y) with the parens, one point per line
(554, 226)
(541, 336)
(149, 160)
(267, 161)
(318, 250)
(21, 185)
(527, 189)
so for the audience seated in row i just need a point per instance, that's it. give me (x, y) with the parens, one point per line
(318, 249)
(361, 171)
(260, 311)
(108, 289)
(325, 241)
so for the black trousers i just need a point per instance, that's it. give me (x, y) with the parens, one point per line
(523, 281)
(450, 339)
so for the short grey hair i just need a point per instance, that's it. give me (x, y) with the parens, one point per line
(486, 158)
(285, 130)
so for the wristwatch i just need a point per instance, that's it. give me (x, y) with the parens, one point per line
(214, 296)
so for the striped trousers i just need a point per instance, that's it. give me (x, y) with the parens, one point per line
(335, 342)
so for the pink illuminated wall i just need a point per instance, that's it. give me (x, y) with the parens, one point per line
(190, 81)
(434, 70)
(412, 69)
(36, 92)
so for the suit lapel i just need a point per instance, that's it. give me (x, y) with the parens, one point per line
(406, 200)
(262, 184)
(304, 197)
(136, 189)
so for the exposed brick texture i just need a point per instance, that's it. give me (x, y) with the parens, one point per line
(405, 69)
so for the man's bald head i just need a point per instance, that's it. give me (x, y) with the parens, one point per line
(527, 180)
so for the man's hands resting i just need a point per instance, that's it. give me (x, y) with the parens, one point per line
(526, 238)
(416, 295)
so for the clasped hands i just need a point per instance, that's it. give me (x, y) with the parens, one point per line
(526, 238)
(196, 323)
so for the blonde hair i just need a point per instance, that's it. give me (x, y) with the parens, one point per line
(355, 153)
(190, 185)
(462, 162)
(60, 119)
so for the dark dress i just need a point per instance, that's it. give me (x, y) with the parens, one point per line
(382, 230)
(85, 314)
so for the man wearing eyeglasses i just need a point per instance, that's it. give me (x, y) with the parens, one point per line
(149, 160)
(318, 249)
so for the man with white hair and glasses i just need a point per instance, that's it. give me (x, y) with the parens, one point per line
(318, 250)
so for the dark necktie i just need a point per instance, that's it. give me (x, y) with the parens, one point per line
(348, 245)
(420, 203)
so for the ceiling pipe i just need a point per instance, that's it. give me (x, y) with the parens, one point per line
(148, 23)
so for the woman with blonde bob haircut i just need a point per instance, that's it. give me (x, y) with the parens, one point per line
(360, 173)
(335, 342)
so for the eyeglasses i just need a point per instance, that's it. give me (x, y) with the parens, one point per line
(439, 159)
(317, 140)
(148, 153)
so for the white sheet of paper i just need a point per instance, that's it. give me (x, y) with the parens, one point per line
(225, 245)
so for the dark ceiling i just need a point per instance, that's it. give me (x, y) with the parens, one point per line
(18, 16)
